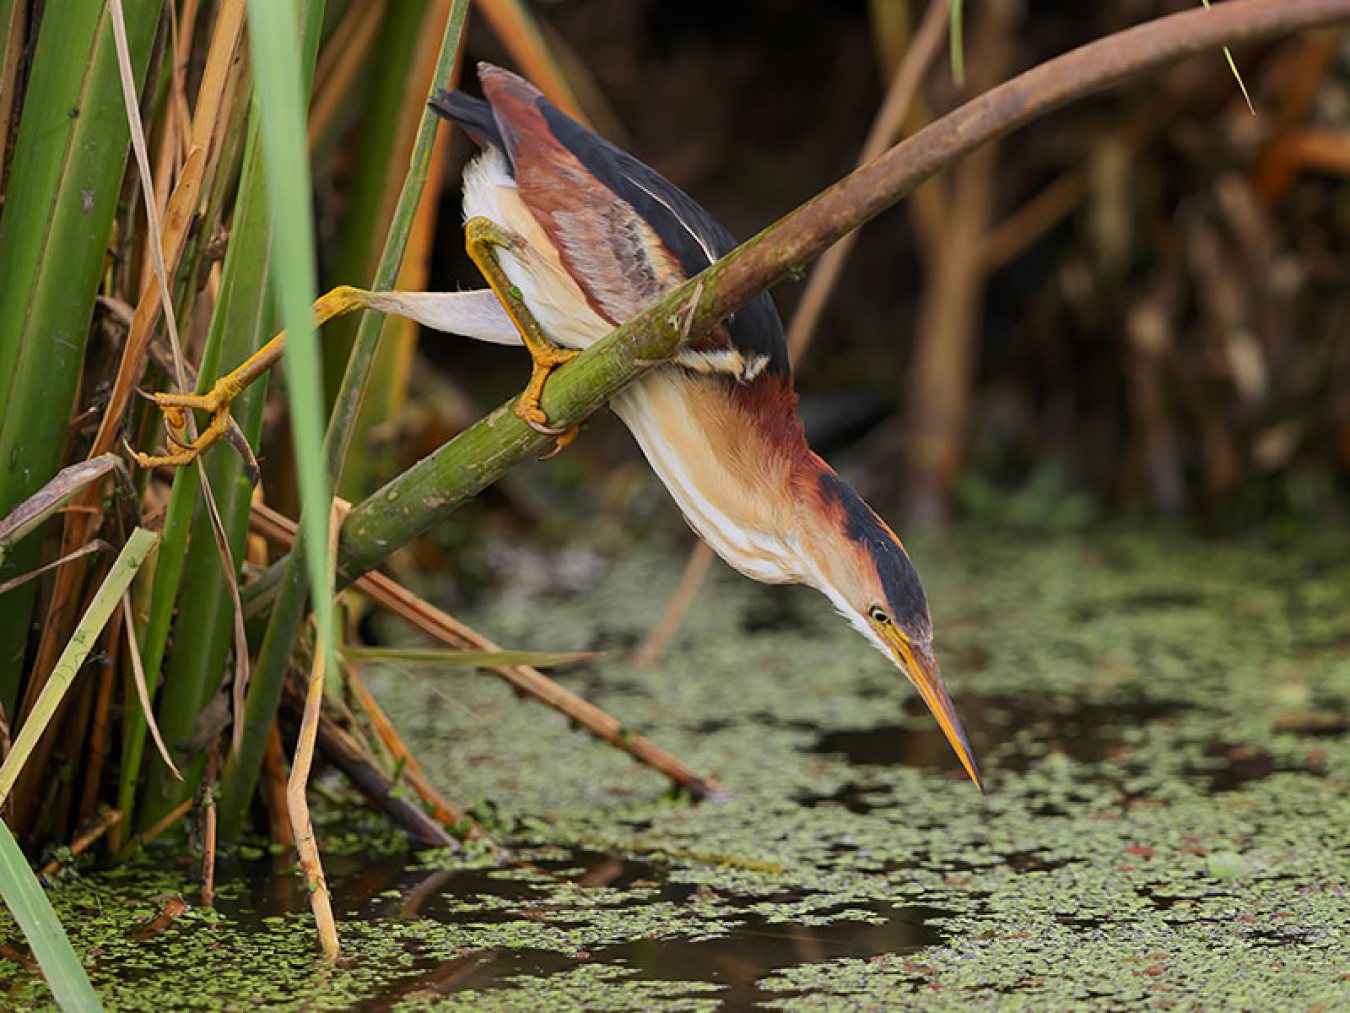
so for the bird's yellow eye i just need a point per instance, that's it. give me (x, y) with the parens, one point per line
(879, 615)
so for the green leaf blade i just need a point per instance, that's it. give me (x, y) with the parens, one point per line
(27, 901)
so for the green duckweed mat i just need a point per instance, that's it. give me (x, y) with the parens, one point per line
(1163, 723)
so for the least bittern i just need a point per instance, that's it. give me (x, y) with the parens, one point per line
(575, 236)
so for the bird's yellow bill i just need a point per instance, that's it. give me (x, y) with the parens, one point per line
(922, 669)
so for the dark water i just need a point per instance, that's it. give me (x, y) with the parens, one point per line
(1162, 729)
(396, 890)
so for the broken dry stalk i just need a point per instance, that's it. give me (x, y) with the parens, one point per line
(387, 593)
(296, 803)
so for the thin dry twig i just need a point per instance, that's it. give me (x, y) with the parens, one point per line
(167, 820)
(306, 848)
(81, 843)
(451, 816)
(142, 692)
(663, 632)
(530, 681)
(97, 545)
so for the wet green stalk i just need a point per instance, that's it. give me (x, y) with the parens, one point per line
(367, 218)
(264, 696)
(62, 194)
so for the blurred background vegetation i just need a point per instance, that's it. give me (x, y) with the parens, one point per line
(1148, 306)
(1140, 305)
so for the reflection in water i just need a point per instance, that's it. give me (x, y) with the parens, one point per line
(752, 948)
(1087, 732)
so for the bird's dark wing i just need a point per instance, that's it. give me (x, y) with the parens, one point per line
(473, 114)
(623, 255)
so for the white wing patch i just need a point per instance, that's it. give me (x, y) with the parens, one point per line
(475, 314)
(702, 243)
(724, 360)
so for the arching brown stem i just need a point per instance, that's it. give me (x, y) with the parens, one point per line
(433, 487)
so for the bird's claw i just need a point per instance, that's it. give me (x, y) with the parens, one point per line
(536, 422)
(484, 233)
(144, 460)
(527, 409)
(175, 408)
(565, 439)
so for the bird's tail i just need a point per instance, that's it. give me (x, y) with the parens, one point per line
(473, 114)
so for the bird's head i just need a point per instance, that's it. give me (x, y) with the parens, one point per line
(860, 565)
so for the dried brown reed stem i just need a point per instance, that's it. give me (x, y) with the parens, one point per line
(97, 545)
(340, 64)
(939, 388)
(530, 681)
(96, 752)
(296, 803)
(169, 819)
(90, 835)
(10, 63)
(449, 815)
(209, 827)
(274, 789)
(663, 632)
(886, 127)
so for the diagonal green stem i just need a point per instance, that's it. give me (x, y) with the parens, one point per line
(264, 696)
(436, 485)
(32, 910)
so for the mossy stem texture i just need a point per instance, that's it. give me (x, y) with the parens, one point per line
(265, 689)
(436, 485)
(61, 197)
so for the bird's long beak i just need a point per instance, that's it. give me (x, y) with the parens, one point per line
(920, 665)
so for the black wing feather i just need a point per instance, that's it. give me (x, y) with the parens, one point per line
(756, 329)
(682, 224)
(474, 115)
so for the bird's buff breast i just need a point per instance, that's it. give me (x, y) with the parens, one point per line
(696, 439)
(702, 449)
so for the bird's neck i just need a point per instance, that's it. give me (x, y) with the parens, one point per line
(735, 459)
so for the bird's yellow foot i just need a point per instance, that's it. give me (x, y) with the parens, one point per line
(482, 239)
(216, 402)
(546, 359)
(564, 440)
(175, 407)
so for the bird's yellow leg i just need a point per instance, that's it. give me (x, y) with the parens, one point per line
(340, 301)
(482, 239)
